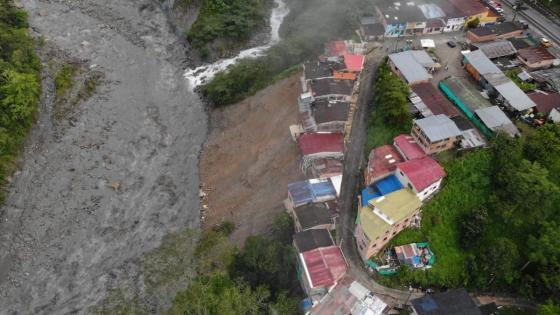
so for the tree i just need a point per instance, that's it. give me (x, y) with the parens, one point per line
(545, 253)
(266, 262)
(218, 294)
(19, 96)
(549, 308)
(498, 264)
(543, 146)
(474, 23)
(472, 226)
(283, 228)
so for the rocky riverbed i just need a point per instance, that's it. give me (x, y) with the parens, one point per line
(95, 194)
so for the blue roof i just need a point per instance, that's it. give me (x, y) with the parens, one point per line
(311, 191)
(369, 193)
(388, 185)
(380, 188)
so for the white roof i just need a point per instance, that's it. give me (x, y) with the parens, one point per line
(515, 97)
(495, 119)
(554, 115)
(358, 290)
(411, 65)
(337, 183)
(480, 62)
(428, 43)
(438, 127)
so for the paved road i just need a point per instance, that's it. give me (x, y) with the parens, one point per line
(353, 165)
(537, 22)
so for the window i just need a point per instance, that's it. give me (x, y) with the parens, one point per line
(409, 186)
(374, 245)
(425, 193)
(394, 232)
(401, 173)
(387, 232)
(385, 239)
(360, 247)
(406, 220)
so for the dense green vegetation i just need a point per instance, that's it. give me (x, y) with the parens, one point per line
(308, 26)
(390, 116)
(554, 5)
(495, 225)
(231, 21)
(19, 85)
(260, 278)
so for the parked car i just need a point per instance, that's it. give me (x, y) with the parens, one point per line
(545, 42)
(451, 44)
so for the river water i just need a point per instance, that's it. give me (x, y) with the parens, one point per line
(204, 73)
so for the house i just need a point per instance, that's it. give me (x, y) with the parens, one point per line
(548, 103)
(411, 65)
(324, 115)
(433, 99)
(496, 120)
(503, 30)
(354, 62)
(497, 84)
(415, 255)
(350, 297)
(422, 176)
(402, 19)
(451, 302)
(383, 218)
(321, 145)
(382, 162)
(311, 191)
(312, 216)
(331, 88)
(312, 239)
(326, 167)
(320, 270)
(336, 48)
(548, 79)
(495, 49)
(535, 58)
(408, 147)
(371, 28)
(320, 69)
(435, 133)
(434, 26)
(380, 188)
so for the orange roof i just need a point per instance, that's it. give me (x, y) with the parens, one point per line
(336, 48)
(344, 75)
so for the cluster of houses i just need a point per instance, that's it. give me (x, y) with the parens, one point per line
(326, 107)
(408, 18)
(456, 113)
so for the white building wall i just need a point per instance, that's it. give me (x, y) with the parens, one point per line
(422, 195)
(454, 24)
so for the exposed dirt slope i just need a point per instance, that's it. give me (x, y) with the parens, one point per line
(250, 158)
(94, 196)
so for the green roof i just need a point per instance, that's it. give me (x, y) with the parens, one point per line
(394, 207)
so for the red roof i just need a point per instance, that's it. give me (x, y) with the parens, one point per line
(336, 48)
(382, 161)
(324, 265)
(434, 100)
(408, 147)
(311, 143)
(545, 101)
(354, 63)
(422, 172)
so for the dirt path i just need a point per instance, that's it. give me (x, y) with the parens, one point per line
(250, 158)
(92, 198)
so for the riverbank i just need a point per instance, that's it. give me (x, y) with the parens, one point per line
(250, 158)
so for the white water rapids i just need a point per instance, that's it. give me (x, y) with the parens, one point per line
(202, 74)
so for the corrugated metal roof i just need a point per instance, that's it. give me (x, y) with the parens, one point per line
(311, 191)
(324, 266)
(481, 62)
(312, 143)
(495, 49)
(422, 172)
(438, 127)
(493, 117)
(515, 96)
(411, 68)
